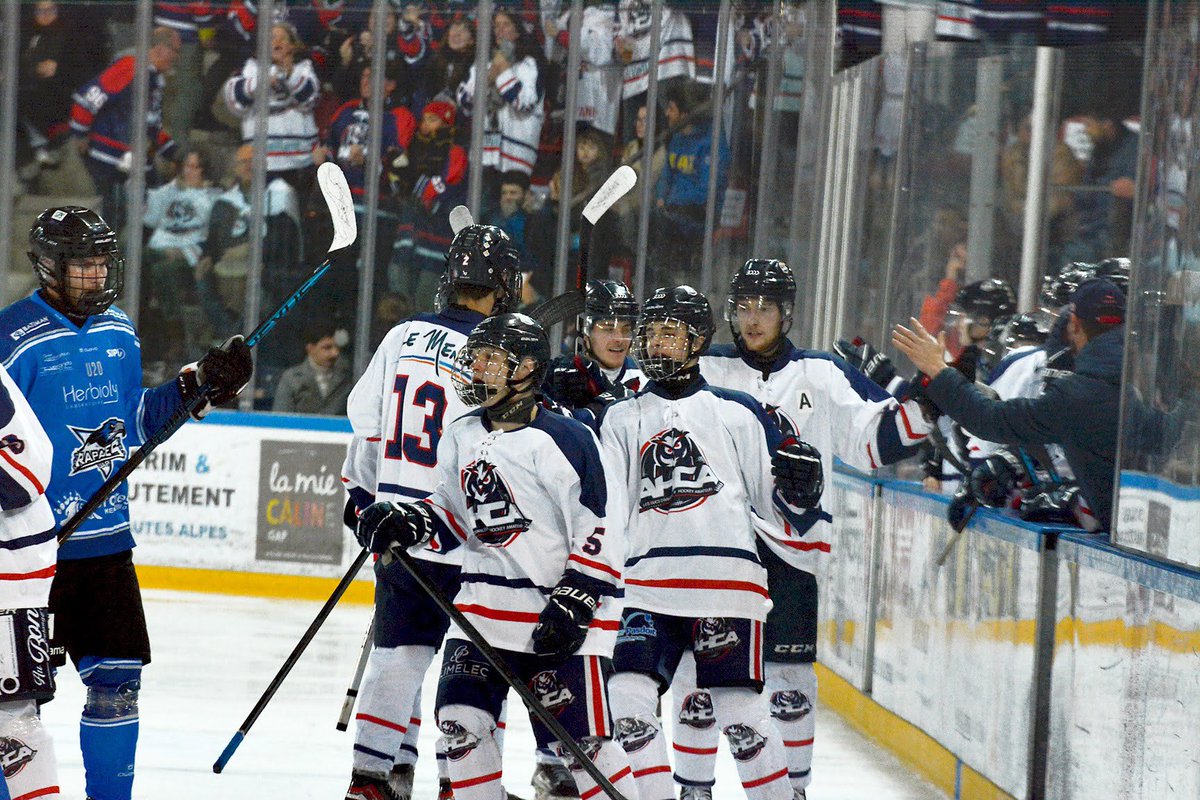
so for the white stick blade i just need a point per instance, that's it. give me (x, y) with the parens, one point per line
(341, 206)
(460, 217)
(616, 187)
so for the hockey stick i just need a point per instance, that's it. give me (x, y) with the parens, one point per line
(496, 660)
(569, 305)
(290, 662)
(352, 692)
(341, 208)
(460, 217)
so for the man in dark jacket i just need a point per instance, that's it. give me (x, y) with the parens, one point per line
(1079, 411)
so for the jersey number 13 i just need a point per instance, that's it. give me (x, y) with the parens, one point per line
(430, 400)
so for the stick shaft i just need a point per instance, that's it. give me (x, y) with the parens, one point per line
(497, 661)
(352, 692)
(291, 660)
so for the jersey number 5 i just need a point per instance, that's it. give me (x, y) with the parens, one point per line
(430, 399)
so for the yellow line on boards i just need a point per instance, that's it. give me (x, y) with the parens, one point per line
(254, 584)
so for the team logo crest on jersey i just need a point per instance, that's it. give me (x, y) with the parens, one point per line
(551, 692)
(786, 426)
(459, 741)
(498, 520)
(697, 711)
(790, 705)
(713, 639)
(675, 474)
(14, 755)
(633, 734)
(745, 743)
(98, 447)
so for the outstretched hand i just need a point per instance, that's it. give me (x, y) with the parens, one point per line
(923, 350)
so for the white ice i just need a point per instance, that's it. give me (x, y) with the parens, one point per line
(214, 655)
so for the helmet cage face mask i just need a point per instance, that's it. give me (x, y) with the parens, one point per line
(52, 262)
(476, 387)
(758, 302)
(661, 366)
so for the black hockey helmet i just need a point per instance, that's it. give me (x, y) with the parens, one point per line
(768, 278)
(992, 298)
(519, 337)
(1057, 289)
(1115, 270)
(1024, 329)
(673, 304)
(484, 256)
(60, 235)
(607, 299)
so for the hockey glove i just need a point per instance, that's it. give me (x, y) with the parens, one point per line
(962, 507)
(386, 524)
(867, 360)
(563, 624)
(226, 370)
(1062, 504)
(995, 479)
(569, 381)
(915, 390)
(799, 476)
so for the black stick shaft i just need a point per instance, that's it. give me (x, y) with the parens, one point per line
(518, 685)
(585, 248)
(176, 420)
(290, 662)
(352, 692)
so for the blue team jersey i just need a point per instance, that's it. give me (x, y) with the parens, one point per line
(85, 386)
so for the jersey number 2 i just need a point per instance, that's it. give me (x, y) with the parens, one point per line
(429, 398)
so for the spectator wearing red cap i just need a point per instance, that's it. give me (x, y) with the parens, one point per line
(1080, 411)
(431, 180)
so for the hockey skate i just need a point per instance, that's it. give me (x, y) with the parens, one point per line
(400, 781)
(371, 787)
(696, 793)
(553, 781)
(445, 790)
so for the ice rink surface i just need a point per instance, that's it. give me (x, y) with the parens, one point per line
(214, 655)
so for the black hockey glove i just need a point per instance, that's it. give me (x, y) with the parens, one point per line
(1054, 504)
(915, 390)
(799, 476)
(962, 507)
(226, 370)
(995, 479)
(387, 524)
(563, 624)
(569, 381)
(867, 360)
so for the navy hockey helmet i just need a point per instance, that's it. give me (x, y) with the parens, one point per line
(673, 304)
(1115, 270)
(1024, 329)
(992, 298)
(1057, 289)
(768, 278)
(607, 299)
(483, 256)
(493, 353)
(68, 234)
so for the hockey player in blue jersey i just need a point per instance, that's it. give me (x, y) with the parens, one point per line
(603, 364)
(77, 358)
(817, 398)
(524, 492)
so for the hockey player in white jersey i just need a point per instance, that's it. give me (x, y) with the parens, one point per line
(398, 411)
(522, 489)
(815, 397)
(695, 462)
(603, 365)
(28, 552)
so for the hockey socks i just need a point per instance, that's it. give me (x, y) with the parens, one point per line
(754, 742)
(387, 707)
(633, 698)
(108, 729)
(793, 690)
(613, 763)
(472, 755)
(696, 733)
(29, 755)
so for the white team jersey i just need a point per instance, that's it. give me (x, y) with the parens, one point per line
(28, 548)
(676, 53)
(399, 409)
(692, 471)
(528, 505)
(1020, 374)
(819, 399)
(629, 374)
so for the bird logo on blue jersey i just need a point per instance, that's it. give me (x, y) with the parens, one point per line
(675, 474)
(98, 447)
(498, 520)
(786, 426)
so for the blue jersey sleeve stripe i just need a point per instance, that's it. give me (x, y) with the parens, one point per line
(685, 552)
(32, 540)
(770, 430)
(578, 446)
(863, 386)
(891, 449)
